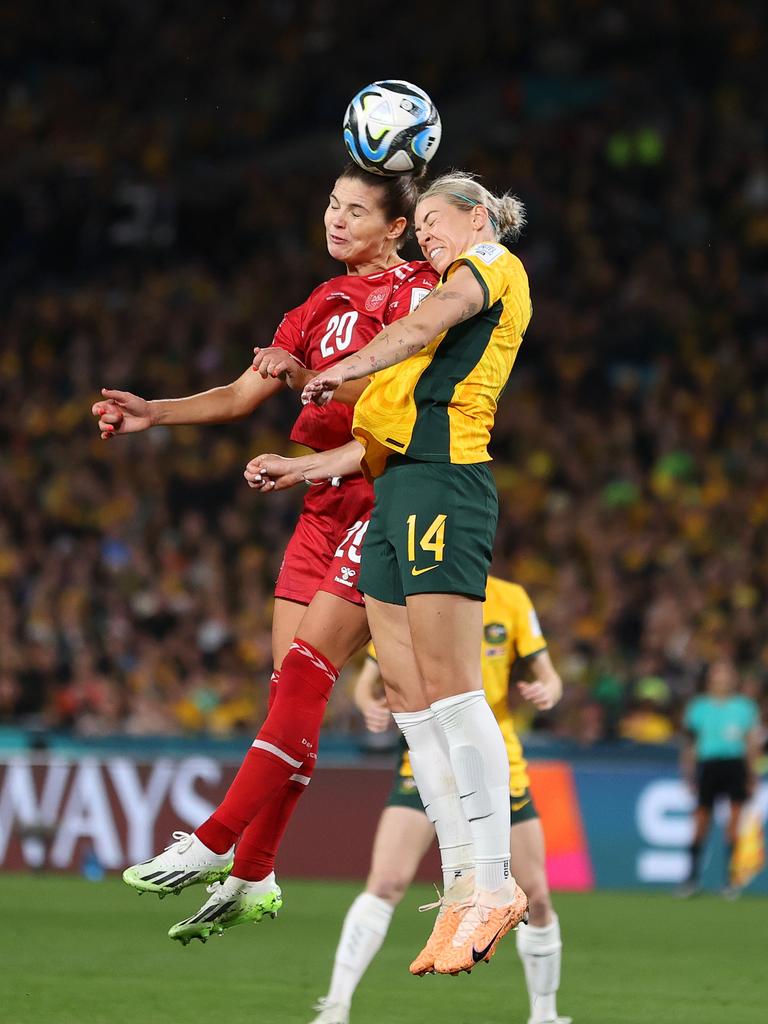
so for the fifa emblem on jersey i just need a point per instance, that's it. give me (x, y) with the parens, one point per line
(487, 251)
(345, 576)
(376, 298)
(417, 297)
(496, 633)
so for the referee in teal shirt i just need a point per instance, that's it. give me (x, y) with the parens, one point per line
(719, 758)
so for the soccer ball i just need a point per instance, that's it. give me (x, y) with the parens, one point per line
(392, 128)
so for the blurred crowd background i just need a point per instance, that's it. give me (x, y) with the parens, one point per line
(165, 169)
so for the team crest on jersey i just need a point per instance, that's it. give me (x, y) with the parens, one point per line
(376, 298)
(496, 633)
(487, 252)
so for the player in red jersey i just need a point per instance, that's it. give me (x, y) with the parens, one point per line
(319, 621)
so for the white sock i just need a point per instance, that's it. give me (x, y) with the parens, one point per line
(540, 952)
(433, 773)
(481, 767)
(266, 884)
(364, 930)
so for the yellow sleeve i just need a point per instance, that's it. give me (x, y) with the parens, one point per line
(494, 267)
(370, 652)
(529, 639)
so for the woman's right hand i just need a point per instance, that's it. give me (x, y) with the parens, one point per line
(120, 412)
(375, 712)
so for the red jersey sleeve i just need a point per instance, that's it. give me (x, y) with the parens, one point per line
(289, 336)
(410, 290)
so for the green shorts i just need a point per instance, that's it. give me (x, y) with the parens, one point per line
(431, 532)
(405, 794)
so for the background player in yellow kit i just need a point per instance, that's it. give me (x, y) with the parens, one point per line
(511, 633)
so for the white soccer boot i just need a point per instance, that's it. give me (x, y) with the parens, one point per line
(232, 902)
(185, 862)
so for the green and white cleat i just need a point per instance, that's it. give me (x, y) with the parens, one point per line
(232, 902)
(185, 862)
(330, 1013)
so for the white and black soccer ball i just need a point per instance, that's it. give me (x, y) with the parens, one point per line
(392, 128)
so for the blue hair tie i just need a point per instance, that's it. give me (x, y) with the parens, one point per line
(476, 202)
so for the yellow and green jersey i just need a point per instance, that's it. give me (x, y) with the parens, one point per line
(439, 405)
(511, 631)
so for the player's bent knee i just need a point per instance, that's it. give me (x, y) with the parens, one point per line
(539, 899)
(391, 888)
(539, 906)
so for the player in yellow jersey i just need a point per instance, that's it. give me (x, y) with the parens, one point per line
(511, 633)
(422, 427)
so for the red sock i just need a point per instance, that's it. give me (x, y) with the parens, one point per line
(258, 846)
(284, 746)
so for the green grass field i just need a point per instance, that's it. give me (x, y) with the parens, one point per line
(77, 952)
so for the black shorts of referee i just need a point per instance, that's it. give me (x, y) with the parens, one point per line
(722, 776)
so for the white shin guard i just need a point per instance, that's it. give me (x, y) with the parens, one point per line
(365, 928)
(540, 950)
(433, 773)
(481, 766)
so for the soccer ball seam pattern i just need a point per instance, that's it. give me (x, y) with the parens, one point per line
(392, 127)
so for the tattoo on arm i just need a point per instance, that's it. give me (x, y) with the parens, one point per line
(469, 309)
(409, 338)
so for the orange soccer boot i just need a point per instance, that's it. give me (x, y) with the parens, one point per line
(450, 908)
(482, 924)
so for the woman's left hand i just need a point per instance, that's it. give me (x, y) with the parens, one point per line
(273, 473)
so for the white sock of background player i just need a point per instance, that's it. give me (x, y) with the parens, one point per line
(540, 951)
(365, 928)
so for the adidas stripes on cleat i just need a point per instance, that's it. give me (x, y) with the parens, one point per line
(185, 862)
(232, 902)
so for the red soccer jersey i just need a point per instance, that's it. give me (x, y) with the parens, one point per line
(340, 317)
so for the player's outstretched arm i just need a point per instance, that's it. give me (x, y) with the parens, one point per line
(444, 308)
(276, 473)
(120, 412)
(547, 688)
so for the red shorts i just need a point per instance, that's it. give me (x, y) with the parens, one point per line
(323, 554)
(344, 570)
